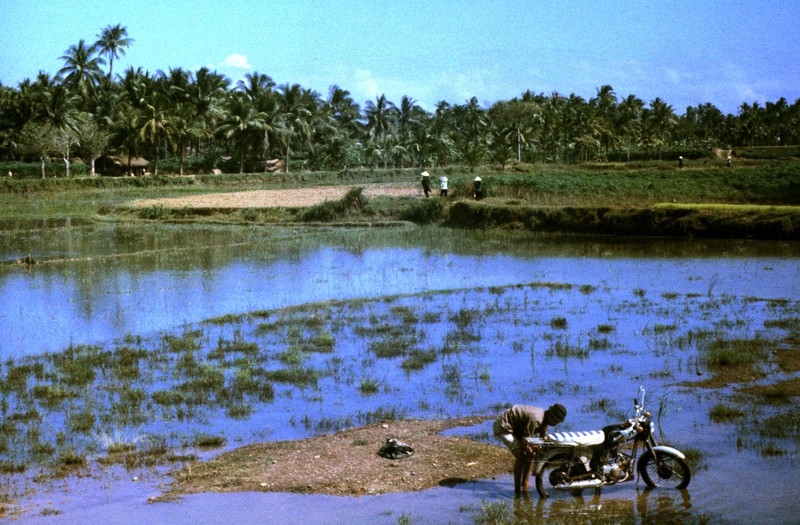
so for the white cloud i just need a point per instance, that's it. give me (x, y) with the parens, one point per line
(672, 75)
(235, 60)
(366, 84)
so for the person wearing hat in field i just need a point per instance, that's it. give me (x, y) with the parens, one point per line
(426, 183)
(520, 422)
(477, 188)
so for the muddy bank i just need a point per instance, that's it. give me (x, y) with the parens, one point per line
(289, 198)
(767, 224)
(347, 463)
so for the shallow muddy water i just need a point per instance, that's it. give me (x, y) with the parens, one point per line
(493, 319)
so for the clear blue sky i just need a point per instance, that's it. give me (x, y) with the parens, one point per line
(687, 52)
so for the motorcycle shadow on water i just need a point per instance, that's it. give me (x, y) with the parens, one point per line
(672, 506)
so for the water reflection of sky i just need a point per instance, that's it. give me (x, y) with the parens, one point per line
(87, 301)
(84, 302)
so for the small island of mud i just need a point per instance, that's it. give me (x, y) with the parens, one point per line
(347, 463)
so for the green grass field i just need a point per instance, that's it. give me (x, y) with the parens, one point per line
(758, 199)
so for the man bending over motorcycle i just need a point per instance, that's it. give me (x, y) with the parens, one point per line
(520, 422)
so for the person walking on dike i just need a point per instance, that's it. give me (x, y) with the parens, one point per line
(477, 188)
(443, 186)
(426, 183)
(520, 422)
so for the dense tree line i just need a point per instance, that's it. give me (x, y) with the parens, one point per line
(202, 116)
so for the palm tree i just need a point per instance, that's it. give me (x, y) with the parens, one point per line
(154, 116)
(407, 114)
(422, 141)
(126, 133)
(255, 85)
(442, 129)
(606, 105)
(241, 125)
(296, 115)
(470, 125)
(380, 123)
(629, 122)
(346, 113)
(112, 42)
(82, 69)
(660, 121)
(207, 92)
(258, 88)
(409, 117)
(61, 108)
(62, 114)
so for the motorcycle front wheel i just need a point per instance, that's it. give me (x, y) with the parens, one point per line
(669, 471)
(557, 472)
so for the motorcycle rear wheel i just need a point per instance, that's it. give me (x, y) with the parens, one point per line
(670, 472)
(558, 471)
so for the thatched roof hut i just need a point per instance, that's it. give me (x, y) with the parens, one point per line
(122, 165)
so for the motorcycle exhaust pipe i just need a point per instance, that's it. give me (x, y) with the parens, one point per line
(578, 485)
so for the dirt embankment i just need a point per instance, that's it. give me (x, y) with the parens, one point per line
(347, 463)
(293, 198)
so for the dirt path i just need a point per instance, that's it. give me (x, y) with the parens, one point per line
(292, 198)
(347, 463)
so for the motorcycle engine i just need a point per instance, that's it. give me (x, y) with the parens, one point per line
(616, 469)
(612, 472)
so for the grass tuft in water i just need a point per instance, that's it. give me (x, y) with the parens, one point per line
(418, 359)
(368, 386)
(494, 513)
(722, 353)
(204, 440)
(722, 413)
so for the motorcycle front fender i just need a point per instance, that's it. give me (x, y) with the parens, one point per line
(669, 450)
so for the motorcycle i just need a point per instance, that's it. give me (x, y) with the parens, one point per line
(574, 461)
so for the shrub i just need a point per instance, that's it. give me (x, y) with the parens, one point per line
(155, 213)
(354, 202)
(425, 211)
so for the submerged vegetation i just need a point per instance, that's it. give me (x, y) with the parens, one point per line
(151, 400)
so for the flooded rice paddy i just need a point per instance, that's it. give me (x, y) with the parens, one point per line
(128, 352)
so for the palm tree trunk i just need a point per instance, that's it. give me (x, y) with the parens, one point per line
(183, 158)
(66, 162)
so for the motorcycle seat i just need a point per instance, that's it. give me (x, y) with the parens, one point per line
(592, 437)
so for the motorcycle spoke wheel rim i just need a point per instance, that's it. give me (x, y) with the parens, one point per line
(668, 473)
(554, 473)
